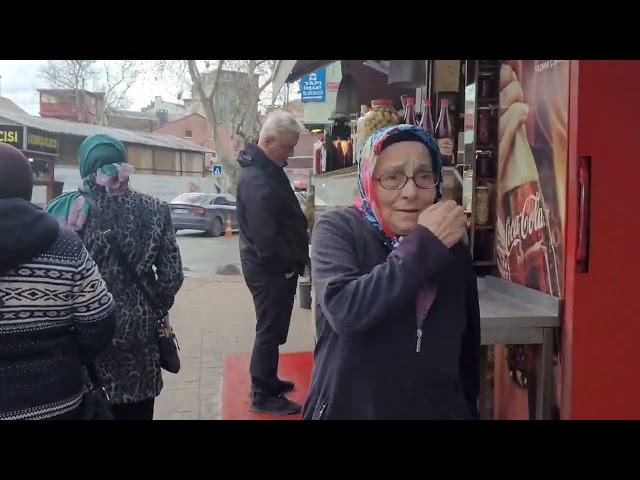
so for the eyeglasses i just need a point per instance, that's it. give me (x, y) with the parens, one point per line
(397, 181)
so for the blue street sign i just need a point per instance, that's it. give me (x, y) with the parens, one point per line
(313, 87)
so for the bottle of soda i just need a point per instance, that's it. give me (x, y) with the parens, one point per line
(317, 155)
(339, 158)
(427, 120)
(524, 248)
(403, 102)
(348, 158)
(410, 112)
(444, 134)
(328, 153)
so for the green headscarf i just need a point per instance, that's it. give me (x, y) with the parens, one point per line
(98, 154)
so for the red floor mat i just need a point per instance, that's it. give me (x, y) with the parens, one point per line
(236, 384)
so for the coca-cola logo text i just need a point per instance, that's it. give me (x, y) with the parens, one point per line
(530, 220)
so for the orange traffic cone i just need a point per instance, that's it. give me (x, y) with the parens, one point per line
(228, 233)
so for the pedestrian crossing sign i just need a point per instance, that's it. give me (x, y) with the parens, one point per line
(217, 170)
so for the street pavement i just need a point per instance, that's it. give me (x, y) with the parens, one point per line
(212, 316)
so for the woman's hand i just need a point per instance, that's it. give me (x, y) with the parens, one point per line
(446, 220)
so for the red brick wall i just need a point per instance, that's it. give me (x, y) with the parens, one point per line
(61, 104)
(57, 110)
(201, 134)
(65, 111)
(195, 123)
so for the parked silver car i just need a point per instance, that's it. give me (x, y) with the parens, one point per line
(204, 211)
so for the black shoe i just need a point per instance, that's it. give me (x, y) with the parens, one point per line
(284, 386)
(276, 404)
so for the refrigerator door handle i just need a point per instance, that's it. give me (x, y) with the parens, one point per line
(584, 214)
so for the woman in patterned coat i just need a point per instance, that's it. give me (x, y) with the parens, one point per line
(141, 229)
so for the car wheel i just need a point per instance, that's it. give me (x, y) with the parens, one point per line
(217, 228)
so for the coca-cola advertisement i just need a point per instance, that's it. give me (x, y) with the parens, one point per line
(532, 173)
(531, 208)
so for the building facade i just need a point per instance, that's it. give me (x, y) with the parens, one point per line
(72, 105)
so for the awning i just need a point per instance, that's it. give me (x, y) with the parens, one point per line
(288, 71)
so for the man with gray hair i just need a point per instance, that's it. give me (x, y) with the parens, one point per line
(274, 249)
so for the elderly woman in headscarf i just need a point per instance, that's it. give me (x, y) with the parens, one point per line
(397, 322)
(142, 242)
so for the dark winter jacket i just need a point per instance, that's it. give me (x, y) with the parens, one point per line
(55, 312)
(366, 363)
(273, 228)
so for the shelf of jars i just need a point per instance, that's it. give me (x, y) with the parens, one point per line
(454, 172)
(482, 182)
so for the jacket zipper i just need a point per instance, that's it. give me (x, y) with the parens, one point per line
(419, 332)
(324, 406)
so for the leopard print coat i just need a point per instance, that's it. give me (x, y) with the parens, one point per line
(130, 367)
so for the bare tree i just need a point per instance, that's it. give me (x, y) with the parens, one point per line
(119, 77)
(70, 74)
(207, 94)
(203, 79)
(249, 94)
(113, 78)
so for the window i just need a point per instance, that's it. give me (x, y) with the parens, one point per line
(219, 201)
(188, 133)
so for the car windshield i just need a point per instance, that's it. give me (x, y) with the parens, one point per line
(193, 198)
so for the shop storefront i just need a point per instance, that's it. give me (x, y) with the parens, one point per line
(520, 148)
(41, 149)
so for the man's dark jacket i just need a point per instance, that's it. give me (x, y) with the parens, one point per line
(273, 228)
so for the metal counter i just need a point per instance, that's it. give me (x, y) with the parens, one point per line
(513, 314)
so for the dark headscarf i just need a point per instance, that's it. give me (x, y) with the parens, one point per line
(16, 178)
(103, 162)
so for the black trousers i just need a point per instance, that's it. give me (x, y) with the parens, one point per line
(133, 411)
(273, 298)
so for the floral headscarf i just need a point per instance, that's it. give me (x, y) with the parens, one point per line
(366, 158)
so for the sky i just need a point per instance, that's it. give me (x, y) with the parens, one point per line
(19, 81)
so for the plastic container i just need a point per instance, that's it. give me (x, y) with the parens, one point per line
(304, 289)
(382, 114)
